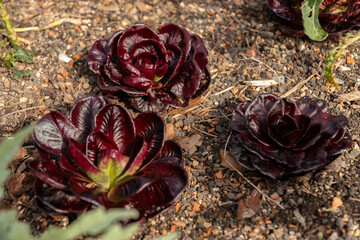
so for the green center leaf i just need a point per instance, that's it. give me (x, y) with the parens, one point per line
(310, 14)
(157, 79)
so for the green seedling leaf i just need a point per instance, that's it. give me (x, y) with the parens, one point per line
(92, 223)
(24, 55)
(7, 151)
(22, 73)
(7, 64)
(334, 54)
(310, 15)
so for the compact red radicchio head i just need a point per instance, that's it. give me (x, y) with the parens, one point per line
(101, 156)
(153, 70)
(335, 16)
(285, 137)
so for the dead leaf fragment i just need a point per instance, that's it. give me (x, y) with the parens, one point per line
(219, 174)
(230, 162)
(189, 144)
(248, 208)
(193, 104)
(254, 200)
(244, 212)
(335, 165)
(19, 183)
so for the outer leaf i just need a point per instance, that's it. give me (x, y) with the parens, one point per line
(53, 200)
(7, 219)
(93, 223)
(19, 231)
(7, 151)
(152, 128)
(311, 23)
(83, 113)
(51, 130)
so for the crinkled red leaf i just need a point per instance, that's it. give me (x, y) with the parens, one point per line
(50, 173)
(131, 186)
(174, 35)
(187, 81)
(171, 150)
(172, 62)
(97, 55)
(77, 159)
(287, 137)
(117, 126)
(131, 36)
(52, 129)
(335, 16)
(83, 112)
(140, 83)
(96, 143)
(150, 132)
(59, 201)
(169, 183)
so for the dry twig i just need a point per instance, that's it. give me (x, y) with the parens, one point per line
(53, 24)
(296, 87)
(23, 110)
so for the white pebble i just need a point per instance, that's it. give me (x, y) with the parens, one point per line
(64, 58)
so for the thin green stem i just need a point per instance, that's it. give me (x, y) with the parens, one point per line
(10, 30)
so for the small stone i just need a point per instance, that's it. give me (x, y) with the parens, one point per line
(340, 222)
(6, 83)
(64, 58)
(207, 224)
(334, 236)
(251, 52)
(231, 196)
(274, 196)
(336, 202)
(68, 98)
(195, 163)
(86, 85)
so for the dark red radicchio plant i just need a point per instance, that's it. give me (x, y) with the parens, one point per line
(153, 70)
(284, 138)
(101, 156)
(335, 16)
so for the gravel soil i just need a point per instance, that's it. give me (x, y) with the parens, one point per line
(244, 46)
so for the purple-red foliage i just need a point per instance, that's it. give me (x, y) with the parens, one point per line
(152, 70)
(100, 155)
(285, 137)
(335, 16)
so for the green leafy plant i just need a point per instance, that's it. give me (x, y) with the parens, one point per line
(310, 16)
(16, 54)
(13, 57)
(334, 54)
(10, 30)
(318, 19)
(93, 223)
